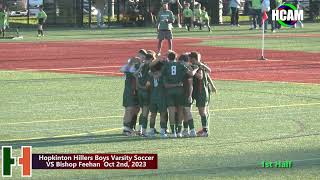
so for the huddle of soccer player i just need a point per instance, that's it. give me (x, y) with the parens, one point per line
(168, 86)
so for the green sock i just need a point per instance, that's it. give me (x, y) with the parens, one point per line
(185, 124)
(144, 122)
(163, 125)
(134, 122)
(152, 124)
(179, 128)
(191, 124)
(204, 121)
(173, 130)
(140, 120)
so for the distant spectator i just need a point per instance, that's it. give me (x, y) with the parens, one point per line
(276, 24)
(187, 16)
(265, 7)
(270, 21)
(42, 17)
(235, 6)
(299, 7)
(205, 18)
(220, 11)
(197, 16)
(256, 13)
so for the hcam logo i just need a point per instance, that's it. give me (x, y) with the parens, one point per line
(287, 15)
(25, 161)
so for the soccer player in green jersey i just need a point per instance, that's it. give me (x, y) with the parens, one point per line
(187, 16)
(188, 89)
(164, 28)
(201, 92)
(174, 74)
(3, 21)
(142, 76)
(42, 17)
(157, 100)
(130, 96)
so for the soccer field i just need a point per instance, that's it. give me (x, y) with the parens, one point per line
(63, 94)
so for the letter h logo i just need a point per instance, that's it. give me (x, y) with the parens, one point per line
(25, 161)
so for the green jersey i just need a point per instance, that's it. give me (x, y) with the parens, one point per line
(197, 13)
(200, 86)
(130, 84)
(42, 15)
(157, 89)
(204, 15)
(187, 12)
(174, 72)
(3, 19)
(256, 4)
(143, 76)
(165, 15)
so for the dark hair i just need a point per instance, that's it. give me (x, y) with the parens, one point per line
(143, 51)
(149, 57)
(172, 55)
(194, 55)
(184, 58)
(157, 67)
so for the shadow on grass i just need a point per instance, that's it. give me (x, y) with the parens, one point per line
(119, 138)
(74, 140)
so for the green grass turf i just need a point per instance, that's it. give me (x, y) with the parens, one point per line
(250, 122)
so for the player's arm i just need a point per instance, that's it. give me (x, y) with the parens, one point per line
(171, 18)
(192, 72)
(166, 85)
(45, 16)
(138, 70)
(213, 87)
(199, 74)
(190, 86)
(205, 67)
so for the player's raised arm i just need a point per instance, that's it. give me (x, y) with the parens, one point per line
(192, 72)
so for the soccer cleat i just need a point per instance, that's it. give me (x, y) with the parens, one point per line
(202, 133)
(128, 131)
(193, 133)
(143, 132)
(179, 25)
(163, 133)
(174, 135)
(179, 135)
(39, 35)
(185, 133)
(152, 133)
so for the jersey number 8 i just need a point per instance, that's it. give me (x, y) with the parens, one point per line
(173, 70)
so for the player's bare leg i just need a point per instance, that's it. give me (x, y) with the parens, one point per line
(170, 44)
(159, 47)
(179, 121)
(189, 123)
(134, 118)
(144, 120)
(127, 121)
(153, 117)
(204, 122)
(172, 119)
(178, 20)
(163, 124)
